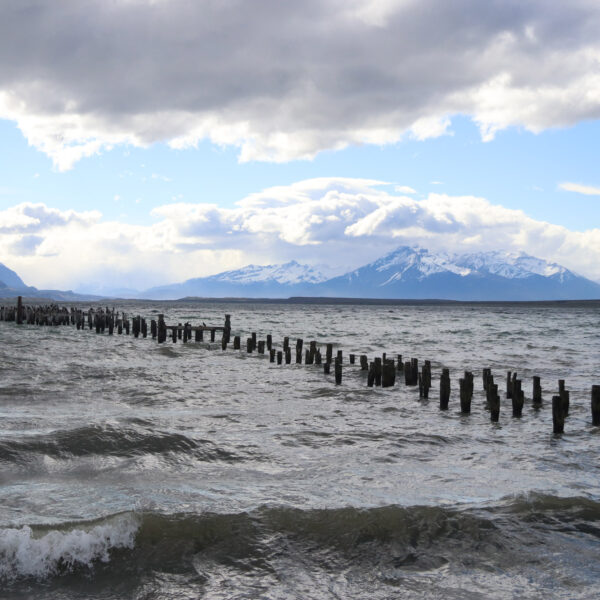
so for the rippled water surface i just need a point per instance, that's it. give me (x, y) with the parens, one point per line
(133, 470)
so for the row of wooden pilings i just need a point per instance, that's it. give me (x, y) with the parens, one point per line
(382, 371)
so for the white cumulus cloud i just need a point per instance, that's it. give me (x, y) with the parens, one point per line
(340, 222)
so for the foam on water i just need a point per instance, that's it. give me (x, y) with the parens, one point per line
(25, 553)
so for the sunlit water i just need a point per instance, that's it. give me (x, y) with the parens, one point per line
(133, 470)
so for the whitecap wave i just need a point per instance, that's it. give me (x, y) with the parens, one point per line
(25, 552)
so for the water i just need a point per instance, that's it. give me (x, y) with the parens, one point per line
(132, 470)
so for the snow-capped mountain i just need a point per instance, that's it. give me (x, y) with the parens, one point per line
(413, 272)
(509, 264)
(252, 281)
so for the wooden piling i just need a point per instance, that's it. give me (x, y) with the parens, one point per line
(400, 363)
(518, 397)
(212, 335)
(279, 357)
(261, 347)
(351, 358)
(326, 368)
(508, 385)
(338, 371)
(299, 343)
(272, 355)
(378, 370)
(20, 310)
(388, 374)
(254, 340)
(537, 391)
(288, 355)
(558, 417)
(249, 345)
(465, 395)
(329, 353)
(371, 375)
(269, 342)
(444, 389)
(364, 362)
(596, 405)
(494, 402)
(565, 398)
(236, 342)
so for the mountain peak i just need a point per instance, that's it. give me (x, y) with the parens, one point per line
(10, 278)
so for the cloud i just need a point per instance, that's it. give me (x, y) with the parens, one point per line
(343, 222)
(404, 189)
(588, 190)
(284, 80)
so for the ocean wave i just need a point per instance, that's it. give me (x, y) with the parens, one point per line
(388, 540)
(40, 553)
(108, 440)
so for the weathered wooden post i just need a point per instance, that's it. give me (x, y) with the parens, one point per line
(19, 310)
(162, 329)
(558, 417)
(236, 342)
(596, 405)
(388, 375)
(537, 391)
(286, 343)
(153, 329)
(174, 332)
(329, 353)
(313, 352)
(371, 375)
(407, 373)
(317, 357)
(494, 402)
(364, 362)
(338, 371)
(508, 385)
(400, 363)
(444, 389)
(378, 369)
(299, 343)
(145, 329)
(212, 335)
(272, 355)
(565, 397)
(227, 331)
(249, 345)
(254, 340)
(279, 357)
(351, 358)
(261, 347)
(269, 342)
(126, 325)
(518, 397)
(179, 331)
(224, 340)
(288, 355)
(326, 368)
(414, 370)
(465, 396)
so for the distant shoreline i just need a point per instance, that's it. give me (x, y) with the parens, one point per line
(311, 300)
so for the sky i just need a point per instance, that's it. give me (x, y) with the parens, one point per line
(145, 142)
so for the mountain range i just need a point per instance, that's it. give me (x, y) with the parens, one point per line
(406, 273)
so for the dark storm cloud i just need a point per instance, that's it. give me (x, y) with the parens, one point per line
(287, 79)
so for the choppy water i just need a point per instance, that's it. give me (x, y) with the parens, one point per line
(132, 470)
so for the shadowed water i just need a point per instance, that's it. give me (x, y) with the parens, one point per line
(129, 469)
